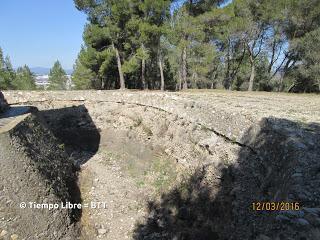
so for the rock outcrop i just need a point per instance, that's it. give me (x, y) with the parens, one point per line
(3, 103)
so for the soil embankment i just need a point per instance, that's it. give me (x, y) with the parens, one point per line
(34, 169)
(187, 166)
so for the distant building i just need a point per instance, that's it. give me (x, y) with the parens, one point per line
(42, 81)
(70, 84)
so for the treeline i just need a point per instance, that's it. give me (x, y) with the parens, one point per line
(267, 45)
(24, 79)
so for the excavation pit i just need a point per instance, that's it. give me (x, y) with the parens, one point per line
(161, 173)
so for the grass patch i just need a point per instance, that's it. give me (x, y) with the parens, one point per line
(147, 130)
(164, 173)
(137, 122)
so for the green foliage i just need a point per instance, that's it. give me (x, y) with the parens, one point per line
(265, 45)
(25, 79)
(57, 77)
(7, 74)
(306, 76)
(82, 77)
(134, 32)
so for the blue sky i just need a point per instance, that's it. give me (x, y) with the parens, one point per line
(38, 32)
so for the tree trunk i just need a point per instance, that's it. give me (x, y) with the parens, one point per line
(194, 80)
(230, 85)
(143, 70)
(227, 83)
(252, 75)
(180, 81)
(102, 84)
(184, 68)
(122, 83)
(213, 78)
(161, 74)
(280, 88)
(291, 87)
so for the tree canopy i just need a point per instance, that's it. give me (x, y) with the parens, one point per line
(268, 45)
(25, 79)
(21, 79)
(57, 77)
(264, 45)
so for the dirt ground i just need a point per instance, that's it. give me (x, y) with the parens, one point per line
(303, 107)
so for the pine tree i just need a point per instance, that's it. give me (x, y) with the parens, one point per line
(7, 74)
(25, 79)
(2, 75)
(82, 77)
(57, 77)
(107, 33)
(147, 26)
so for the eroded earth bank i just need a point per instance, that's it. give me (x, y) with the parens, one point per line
(166, 165)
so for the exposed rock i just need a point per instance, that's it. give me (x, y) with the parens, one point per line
(14, 237)
(3, 103)
(102, 231)
(3, 233)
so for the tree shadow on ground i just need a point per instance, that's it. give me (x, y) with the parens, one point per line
(280, 164)
(58, 141)
(74, 129)
(15, 111)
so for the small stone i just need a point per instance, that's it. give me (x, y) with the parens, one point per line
(102, 231)
(3, 233)
(14, 237)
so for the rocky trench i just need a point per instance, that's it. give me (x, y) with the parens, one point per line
(217, 179)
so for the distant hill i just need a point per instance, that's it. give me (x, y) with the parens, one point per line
(45, 71)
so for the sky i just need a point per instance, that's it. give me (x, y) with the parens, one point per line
(39, 32)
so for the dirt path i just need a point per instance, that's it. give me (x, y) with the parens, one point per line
(102, 180)
(124, 175)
